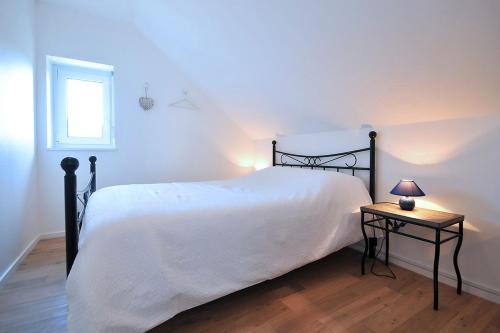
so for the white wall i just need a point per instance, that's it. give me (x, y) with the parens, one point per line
(18, 178)
(456, 163)
(301, 66)
(164, 144)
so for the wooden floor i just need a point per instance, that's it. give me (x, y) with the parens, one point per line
(326, 296)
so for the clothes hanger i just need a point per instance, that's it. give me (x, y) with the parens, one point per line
(184, 103)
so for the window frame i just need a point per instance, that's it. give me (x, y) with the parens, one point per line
(60, 69)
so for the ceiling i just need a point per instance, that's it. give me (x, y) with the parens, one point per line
(298, 66)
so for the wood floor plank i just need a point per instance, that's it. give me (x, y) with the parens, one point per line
(400, 310)
(476, 316)
(328, 296)
(355, 313)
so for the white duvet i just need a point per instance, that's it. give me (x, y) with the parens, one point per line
(148, 252)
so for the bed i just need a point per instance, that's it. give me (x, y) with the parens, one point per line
(139, 254)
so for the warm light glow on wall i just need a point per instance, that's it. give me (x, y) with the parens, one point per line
(431, 143)
(261, 164)
(245, 161)
(421, 154)
(426, 203)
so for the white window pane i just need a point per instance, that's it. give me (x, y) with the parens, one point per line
(85, 108)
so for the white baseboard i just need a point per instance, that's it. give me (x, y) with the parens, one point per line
(471, 287)
(12, 267)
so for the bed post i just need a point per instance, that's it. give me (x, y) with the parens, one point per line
(92, 160)
(274, 152)
(69, 165)
(372, 136)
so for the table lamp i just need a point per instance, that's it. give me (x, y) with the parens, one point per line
(407, 189)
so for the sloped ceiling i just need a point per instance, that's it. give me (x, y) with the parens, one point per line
(297, 66)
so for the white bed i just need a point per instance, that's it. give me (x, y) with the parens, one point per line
(148, 252)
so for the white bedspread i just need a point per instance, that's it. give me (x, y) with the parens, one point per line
(148, 252)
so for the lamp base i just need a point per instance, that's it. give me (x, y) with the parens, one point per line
(406, 203)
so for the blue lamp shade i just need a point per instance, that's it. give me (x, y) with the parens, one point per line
(407, 189)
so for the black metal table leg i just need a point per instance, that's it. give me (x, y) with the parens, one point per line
(387, 242)
(436, 269)
(366, 243)
(455, 257)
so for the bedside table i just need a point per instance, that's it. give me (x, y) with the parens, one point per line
(395, 218)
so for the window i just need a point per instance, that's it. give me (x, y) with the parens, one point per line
(80, 105)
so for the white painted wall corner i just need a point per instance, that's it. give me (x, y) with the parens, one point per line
(12, 267)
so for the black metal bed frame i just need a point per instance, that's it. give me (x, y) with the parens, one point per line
(74, 217)
(322, 161)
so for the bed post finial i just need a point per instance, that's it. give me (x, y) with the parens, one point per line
(70, 165)
(372, 136)
(274, 152)
(92, 160)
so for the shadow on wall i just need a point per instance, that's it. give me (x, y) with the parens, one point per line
(456, 164)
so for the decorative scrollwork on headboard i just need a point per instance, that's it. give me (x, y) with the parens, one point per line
(315, 161)
(349, 159)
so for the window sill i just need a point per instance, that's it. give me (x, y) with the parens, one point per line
(86, 148)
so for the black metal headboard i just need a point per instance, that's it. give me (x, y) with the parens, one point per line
(324, 161)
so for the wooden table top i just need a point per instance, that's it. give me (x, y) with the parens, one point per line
(424, 216)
